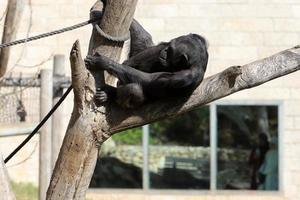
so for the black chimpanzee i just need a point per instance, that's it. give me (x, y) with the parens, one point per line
(169, 69)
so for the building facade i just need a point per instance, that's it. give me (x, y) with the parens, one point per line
(238, 32)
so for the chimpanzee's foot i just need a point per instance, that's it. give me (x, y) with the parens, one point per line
(101, 95)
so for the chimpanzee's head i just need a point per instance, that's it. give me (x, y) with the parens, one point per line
(182, 52)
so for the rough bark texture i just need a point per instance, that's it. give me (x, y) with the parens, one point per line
(5, 189)
(14, 12)
(78, 155)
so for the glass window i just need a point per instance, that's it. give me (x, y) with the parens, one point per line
(121, 161)
(179, 152)
(247, 147)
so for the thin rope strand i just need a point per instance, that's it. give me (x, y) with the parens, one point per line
(47, 34)
(37, 128)
(97, 27)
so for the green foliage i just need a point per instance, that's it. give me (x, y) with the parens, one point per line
(129, 137)
(25, 191)
(191, 128)
(133, 137)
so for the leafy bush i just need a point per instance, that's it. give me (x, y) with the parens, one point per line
(129, 137)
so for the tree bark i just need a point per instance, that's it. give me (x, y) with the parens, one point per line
(5, 189)
(78, 155)
(14, 12)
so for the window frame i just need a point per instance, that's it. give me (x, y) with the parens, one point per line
(214, 138)
(213, 154)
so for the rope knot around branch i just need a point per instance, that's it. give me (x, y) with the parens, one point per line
(122, 38)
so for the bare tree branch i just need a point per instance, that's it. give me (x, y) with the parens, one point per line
(5, 189)
(229, 81)
(14, 12)
(3, 14)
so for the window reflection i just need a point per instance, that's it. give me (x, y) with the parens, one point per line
(247, 147)
(179, 152)
(120, 163)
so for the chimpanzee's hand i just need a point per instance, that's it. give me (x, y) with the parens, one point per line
(89, 62)
(93, 62)
(95, 15)
(96, 11)
(97, 62)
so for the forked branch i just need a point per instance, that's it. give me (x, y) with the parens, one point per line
(77, 158)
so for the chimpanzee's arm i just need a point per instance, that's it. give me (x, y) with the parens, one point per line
(125, 74)
(176, 80)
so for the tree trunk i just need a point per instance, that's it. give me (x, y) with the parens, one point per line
(88, 125)
(14, 12)
(5, 189)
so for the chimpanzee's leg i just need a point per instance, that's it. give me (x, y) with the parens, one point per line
(130, 95)
(140, 39)
(148, 60)
(127, 96)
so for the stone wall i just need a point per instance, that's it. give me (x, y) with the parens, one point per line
(238, 31)
(132, 154)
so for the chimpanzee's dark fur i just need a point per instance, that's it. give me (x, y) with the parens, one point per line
(169, 69)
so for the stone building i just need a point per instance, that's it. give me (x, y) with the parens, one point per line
(239, 32)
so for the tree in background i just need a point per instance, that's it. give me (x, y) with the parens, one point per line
(12, 21)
